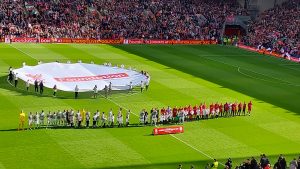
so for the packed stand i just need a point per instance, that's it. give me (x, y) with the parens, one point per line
(277, 30)
(112, 19)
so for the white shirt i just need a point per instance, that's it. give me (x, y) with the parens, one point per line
(142, 84)
(95, 90)
(148, 81)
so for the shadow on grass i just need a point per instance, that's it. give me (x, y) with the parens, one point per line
(44, 127)
(271, 94)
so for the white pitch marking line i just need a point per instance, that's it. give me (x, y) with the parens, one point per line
(284, 81)
(199, 151)
(23, 52)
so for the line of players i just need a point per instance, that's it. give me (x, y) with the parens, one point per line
(189, 113)
(70, 118)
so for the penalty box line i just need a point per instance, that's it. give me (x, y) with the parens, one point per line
(172, 135)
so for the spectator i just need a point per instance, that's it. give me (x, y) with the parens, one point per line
(277, 30)
(99, 19)
(293, 164)
(228, 164)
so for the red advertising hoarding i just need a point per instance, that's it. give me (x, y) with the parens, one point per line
(157, 41)
(168, 130)
(25, 40)
(265, 52)
(46, 40)
(133, 41)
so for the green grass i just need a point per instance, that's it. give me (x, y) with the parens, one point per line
(180, 75)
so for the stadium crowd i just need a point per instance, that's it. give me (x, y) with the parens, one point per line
(264, 163)
(79, 119)
(102, 19)
(252, 163)
(277, 29)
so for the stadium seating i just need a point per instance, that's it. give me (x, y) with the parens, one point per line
(150, 19)
(278, 29)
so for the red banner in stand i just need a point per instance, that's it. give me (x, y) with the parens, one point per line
(158, 41)
(46, 40)
(25, 40)
(133, 41)
(168, 130)
(63, 40)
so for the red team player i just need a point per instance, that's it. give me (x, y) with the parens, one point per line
(244, 108)
(239, 108)
(163, 115)
(195, 112)
(226, 108)
(211, 110)
(249, 107)
(221, 109)
(217, 110)
(233, 109)
(174, 112)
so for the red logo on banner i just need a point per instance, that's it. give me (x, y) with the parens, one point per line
(35, 77)
(168, 130)
(91, 78)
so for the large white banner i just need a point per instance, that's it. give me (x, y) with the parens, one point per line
(66, 76)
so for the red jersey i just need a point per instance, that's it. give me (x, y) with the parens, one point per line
(233, 107)
(249, 106)
(216, 106)
(221, 108)
(240, 106)
(211, 108)
(226, 107)
(195, 109)
(174, 112)
(162, 111)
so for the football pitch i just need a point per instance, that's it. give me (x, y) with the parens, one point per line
(180, 75)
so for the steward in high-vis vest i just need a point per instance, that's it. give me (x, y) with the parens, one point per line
(215, 164)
